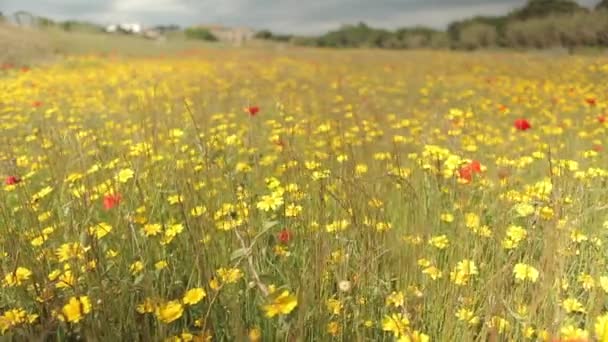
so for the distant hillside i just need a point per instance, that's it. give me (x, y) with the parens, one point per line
(538, 24)
(21, 44)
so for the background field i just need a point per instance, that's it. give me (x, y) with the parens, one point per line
(190, 191)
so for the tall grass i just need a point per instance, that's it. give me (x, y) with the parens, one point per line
(304, 196)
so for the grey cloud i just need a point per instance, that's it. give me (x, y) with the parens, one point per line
(293, 16)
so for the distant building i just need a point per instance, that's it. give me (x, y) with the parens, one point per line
(233, 35)
(131, 28)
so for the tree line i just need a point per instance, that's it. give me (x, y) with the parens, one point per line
(538, 24)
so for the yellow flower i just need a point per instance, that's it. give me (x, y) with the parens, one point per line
(333, 328)
(334, 306)
(587, 281)
(230, 275)
(572, 305)
(16, 278)
(169, 311)
(283, 304)
(500, 324)
(69, 251)
(523, 272)
(194, 296)
(433, 272)
(152, 229)
(100, 230)
(463, 271)
(171, 232)
(42, 193)
(396, 299)
(198, 211)
(604, 283)
(76, 308)
(601, 328)
(124, 175)
(468, 316)
(148, 306)
(524, 209)
(160, 265)
(175, 199)
(65, 280)
(293, 210)
(255, 335)
(176, 133)
(515, 234)
(471, 220)
(397, 323)
(447, 217)
(415, 336)
(270, 203)
(440, 242)
(15, 317)
(572, 333)
(136, 267)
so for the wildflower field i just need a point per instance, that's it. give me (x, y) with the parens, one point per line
(244, 195)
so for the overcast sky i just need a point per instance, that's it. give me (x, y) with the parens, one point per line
(287, 16)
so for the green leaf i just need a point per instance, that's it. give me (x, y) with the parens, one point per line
(265, 227)
(239, 253)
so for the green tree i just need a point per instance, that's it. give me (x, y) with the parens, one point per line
(199, 33)
(602, 5)
(544, 8)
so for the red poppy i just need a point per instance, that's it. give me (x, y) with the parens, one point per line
(252, 110)
(598, 148)
(591, 101)
(25, 69)
(7, 66)
(467, 171)
(36, 104)
(284, 235)
(12, 180)
(601, 118)
(522, 124)
(110, 201)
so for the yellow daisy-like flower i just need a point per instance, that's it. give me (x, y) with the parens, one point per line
(169, 311)
(447, 217)
(124, 175)
(414, 336)
(396, 299)
(193, 296)
(270, 203)
(100, 230)
(230, 275)
(283, 304)
(397, 323)
(572, 305)
(175, 199)
(16, 278)
(601, 328)
(440, 241)
(255, 335)
(152, 229)
(76, 308)
(525, 272)
(148, 306)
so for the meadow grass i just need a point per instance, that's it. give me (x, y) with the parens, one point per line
(244, 194)
(24, 46)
